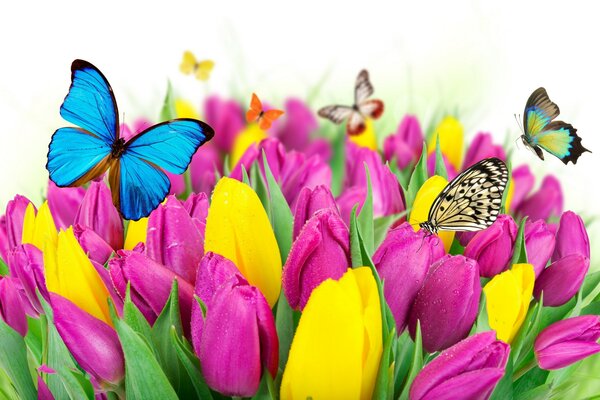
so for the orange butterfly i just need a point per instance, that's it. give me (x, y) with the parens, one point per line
(256, 113)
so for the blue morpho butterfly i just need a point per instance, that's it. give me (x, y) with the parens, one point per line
(540, 132)
(77, 155)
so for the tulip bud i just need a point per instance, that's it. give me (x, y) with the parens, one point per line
(321, 251)
(402, 261)
(174, 240)
(93, 343)
(27, 265)
(232, 359)
(482, 147)
(447, 303)
(406, 144)
(92, 244)
(451, 134)
(507, 300)
(151, 284)
(492, 248)
(15, 219)
(13, 305)
(227, 118)
(337, 347)
(468, 370)
(237, 227)
(539, 242)
(522, 180)
(567, 341)
(64, 203)
(353, 196)
(205, 165)
(98, 213)
(310, 201)
(562, 279)
(295, 130)
(545, 203)
(571, 237)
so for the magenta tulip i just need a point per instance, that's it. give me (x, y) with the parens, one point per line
(492, 247)
(545, 203)
(98, 213)
(27, 266)
(447, 303)
(296, 128)
(568, 341)
(571, 237)
(92, 244)
(406, 145)
(13, 305)
(174, 240)
(482, 147)
(522, 181)
(539, 242)
(205, 165)
(561, 280)
(15, 214)
(402, 261)
(227, 118)
(468, 370)
(3, 240)
(310, 201)
(93, 343)
(450, 169)
(321, 251)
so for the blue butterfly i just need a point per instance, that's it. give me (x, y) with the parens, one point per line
(77, 155)
(540, 132)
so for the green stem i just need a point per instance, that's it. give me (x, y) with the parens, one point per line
(187, 178)
(525, 369)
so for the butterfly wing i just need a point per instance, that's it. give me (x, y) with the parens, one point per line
(76, 156)
(561, 140)
(91, 103)
(372, 108)
(472, 200)
(255, 109)
(188, 63)
(336, 114)
(356, 124)
(138, 183)
(268, 117)
(204, 69)
(362, 88)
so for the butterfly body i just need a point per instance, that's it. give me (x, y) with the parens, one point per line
(136, 166)
(471, 201)
(256, 114)
(362, 108)
(541, 132)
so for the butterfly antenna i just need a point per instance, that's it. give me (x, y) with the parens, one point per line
(518, 123)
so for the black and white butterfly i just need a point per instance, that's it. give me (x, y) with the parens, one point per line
(471, 201)
(362, 108)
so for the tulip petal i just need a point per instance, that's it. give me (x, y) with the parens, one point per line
(562, 279)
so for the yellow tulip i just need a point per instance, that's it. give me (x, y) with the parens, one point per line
(450, 131)
(367, 138)
(185, 109)
(136, 233)
(70, 274)
(39, 229)
(337, 347)
(238, 228)
(423, 201)
(248, 137)
(508, 295)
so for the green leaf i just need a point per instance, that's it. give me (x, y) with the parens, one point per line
(416, 365)
(144, 379)
(591, 286)
(260, 187)
(440, 166)
(355, 253)
(537, 393)
(522, 345)
(3, 268)
(365, 217)
(167, 354)
(338, 160)
(505, 193)
(418, 177)
(13, 360)
(34, 337)
(532, 379)
(7, 390)
(191, 364)
(136, 320)
(456, 248)
(245, 177)
(284, 323)
(283, 221)
(76, 384)
(167, 111)
(382, 225)
(384, 385)
(520, 252)
(482, 324)
(405, 348)
(504, 388)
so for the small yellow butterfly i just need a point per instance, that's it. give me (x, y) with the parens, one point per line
(201, 69)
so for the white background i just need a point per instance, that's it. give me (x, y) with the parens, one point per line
(479, 59)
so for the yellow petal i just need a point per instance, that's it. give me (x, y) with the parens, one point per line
(70, 274)
(507, 300)
(185, 109)
(450, 131)
(39, 229)
(238, 228)
(337, 347)
(423, 201)
(136, 233)
(509, 195)
(367, 138)
(249, 136)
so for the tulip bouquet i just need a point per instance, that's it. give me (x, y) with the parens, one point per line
(289, 264)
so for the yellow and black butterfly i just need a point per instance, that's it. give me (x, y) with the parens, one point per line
(540, 132)
(201, 69)
(471, 201)
(362, 108)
